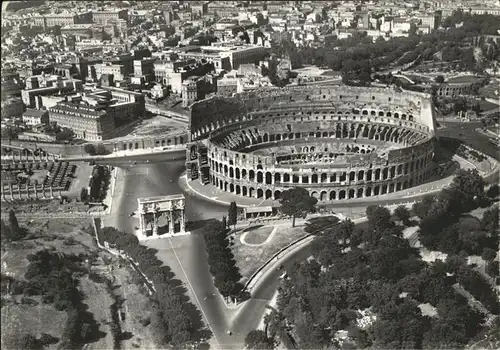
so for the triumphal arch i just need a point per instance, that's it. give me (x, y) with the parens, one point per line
(161, 216)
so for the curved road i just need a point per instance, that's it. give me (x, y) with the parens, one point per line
(186, 255)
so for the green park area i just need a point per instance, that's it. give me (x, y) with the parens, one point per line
(375, 285)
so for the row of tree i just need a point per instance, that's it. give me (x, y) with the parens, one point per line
(170, 322)
(98, 184)
(221, 260)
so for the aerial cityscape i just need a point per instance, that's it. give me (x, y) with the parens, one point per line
(250, 174)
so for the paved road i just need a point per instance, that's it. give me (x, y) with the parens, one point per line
(467, 132)
(186, 255)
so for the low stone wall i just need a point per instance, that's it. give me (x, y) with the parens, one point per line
(110, 146)
(47, 207)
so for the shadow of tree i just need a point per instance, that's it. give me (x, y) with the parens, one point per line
(196, 225)
(248, 229)
(199, 331)
(91, 333)
(240, 292)
(126, 335)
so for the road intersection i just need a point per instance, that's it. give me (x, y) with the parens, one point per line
(186, 255)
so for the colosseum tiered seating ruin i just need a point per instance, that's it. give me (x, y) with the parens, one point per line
(337, 142)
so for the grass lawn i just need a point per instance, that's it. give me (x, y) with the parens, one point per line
(33, 319)
(257, 234)
(486, 105)
(156, 126)
(249, 259)
(61, 234)
(479, 212)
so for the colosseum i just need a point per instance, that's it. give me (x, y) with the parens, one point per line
(338, 142)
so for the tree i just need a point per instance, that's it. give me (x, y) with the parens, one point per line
(422, 208)
(379, 218)
(439, 79)
(489, 222)
(15, 230)
(48, 339)
(232, 214)
(10, 132)
(65, 135)
(470, 183)
(100, 149)
(489, 254)
(297, 202)
(5, 230)
(224, 222)
(89, 149)
(403, 214)
(22, 342)
(84, 194)
(493, 191)
(258, 339)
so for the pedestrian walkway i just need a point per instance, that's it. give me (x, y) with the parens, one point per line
(216, 195)
(219, 196)
(268, 239)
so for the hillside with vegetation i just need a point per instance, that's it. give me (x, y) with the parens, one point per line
(370, 286)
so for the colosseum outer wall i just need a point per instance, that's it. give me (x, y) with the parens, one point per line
(317, 114)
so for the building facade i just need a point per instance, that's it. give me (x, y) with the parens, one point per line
(35, 117)
(29, 96)
(90, 123)
(105, 17)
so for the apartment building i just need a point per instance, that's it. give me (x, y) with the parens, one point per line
(88, 122)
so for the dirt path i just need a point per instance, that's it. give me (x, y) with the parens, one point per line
(98, 301)
(135, 308)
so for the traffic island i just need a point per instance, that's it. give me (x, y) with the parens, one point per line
(250, 257)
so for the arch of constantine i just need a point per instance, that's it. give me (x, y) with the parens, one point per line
(161, 216)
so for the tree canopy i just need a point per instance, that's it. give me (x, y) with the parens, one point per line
(258, 340)
(372, 267)
(170, 319)
(220, 258)
(297, 202)
(232, 214)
